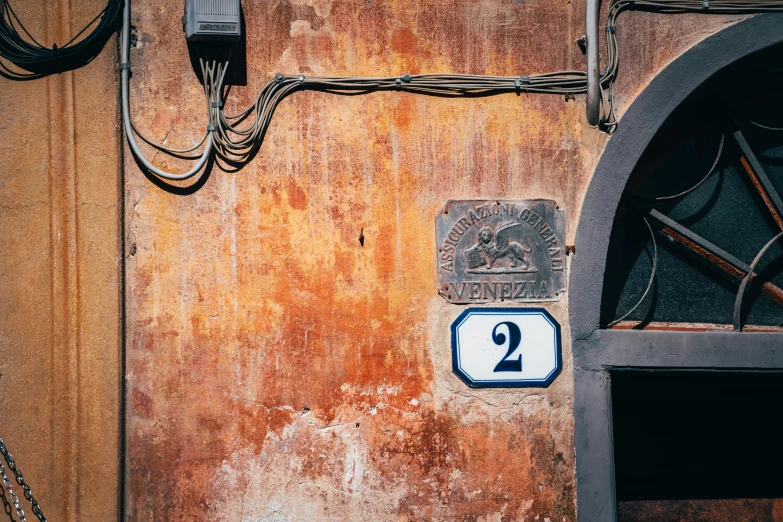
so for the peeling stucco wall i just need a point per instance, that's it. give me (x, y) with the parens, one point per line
(277, 368)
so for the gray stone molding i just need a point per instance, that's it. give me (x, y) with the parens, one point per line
(595, 351)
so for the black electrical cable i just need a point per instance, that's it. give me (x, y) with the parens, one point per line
(21, 48)
(649, 282)
(692, 188)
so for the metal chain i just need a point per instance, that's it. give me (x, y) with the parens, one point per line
(14, 498)
(28, 493)
(6, 505)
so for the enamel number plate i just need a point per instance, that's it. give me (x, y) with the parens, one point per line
(506, 347)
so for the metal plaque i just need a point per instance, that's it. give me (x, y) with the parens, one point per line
(493, 251)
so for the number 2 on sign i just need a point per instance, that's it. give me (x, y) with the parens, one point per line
(515, 337)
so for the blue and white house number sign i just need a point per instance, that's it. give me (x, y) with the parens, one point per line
(506, 347)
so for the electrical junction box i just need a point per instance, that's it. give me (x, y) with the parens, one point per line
(213, 20)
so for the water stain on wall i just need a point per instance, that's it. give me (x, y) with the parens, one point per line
(281, 370)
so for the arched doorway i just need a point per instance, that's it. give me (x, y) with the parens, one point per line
(670, 345)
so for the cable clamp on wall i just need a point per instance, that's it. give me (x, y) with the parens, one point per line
(705, 4)
(611, 29)
(406, 78)
(301, 77)
(217, 105)
(521, 83)
(279, 77)
(211, 128)
(123, 66)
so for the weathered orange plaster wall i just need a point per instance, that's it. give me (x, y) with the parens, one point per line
(277, 368)
(60, 274)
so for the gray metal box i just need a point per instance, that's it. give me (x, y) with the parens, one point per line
(213, 20)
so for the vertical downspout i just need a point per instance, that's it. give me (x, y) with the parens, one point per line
(593, 81)
(123, 445)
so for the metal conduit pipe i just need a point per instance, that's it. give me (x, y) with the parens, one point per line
(125, 89)
(593, 80)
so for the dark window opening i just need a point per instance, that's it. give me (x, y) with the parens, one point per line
(693, 174)
(688, 435)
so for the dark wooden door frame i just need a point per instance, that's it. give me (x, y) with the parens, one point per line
(596, 351)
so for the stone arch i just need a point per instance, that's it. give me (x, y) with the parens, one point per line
(596, 351)
(670, 88)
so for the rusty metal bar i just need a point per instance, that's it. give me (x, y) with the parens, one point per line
(760, 179)
(715, 255)
(738, 266)
(746, 281)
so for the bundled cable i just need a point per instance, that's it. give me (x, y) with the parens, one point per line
(21, 48)
(236, 139)
(236, 142)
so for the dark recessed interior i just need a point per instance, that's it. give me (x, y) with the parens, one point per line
(697, 435)
(725, 209)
